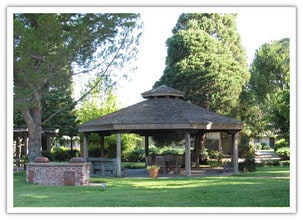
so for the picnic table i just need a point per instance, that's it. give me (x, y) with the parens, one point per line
(168, 163)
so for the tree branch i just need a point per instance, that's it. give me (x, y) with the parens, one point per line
(92, 88)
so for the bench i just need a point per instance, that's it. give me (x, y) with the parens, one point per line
(105, 166)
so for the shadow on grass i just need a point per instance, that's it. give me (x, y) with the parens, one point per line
(234, 191)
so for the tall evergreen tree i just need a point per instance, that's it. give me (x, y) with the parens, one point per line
(206, 60)
(48, 47)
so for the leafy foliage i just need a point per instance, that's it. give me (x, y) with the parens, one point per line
(50, 48)
(66, 121)
(205, 59)
(281, 144)
(284, 152)
(100, 102)
(60, 154)
(269, 90)
(247, 151)
(217, 155)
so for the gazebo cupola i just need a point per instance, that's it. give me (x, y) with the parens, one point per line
(163, 92)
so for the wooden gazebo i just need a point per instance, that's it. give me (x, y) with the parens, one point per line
(163, 111)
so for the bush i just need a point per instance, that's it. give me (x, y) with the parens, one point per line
(284, 153)
(245, 147)
(264, 146)
(60, 154)
(259, 146)
(135, 155)
(248, 152)
(48, 154)
(281, 143)
(170, 150)
(94, 150)
(249, 165)
(214, 163)
(215, 154)
(153, 150)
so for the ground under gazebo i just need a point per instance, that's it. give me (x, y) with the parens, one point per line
(163, 111)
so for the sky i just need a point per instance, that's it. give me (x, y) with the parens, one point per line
(256, 26)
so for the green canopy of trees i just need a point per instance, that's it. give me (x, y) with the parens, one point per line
(267, 94)
(48, 48)
(206, 60)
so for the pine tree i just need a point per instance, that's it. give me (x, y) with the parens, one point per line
(48, 47)
(205, 59)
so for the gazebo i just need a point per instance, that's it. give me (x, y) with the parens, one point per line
(163, 111)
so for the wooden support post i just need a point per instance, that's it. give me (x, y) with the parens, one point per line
(197, 151)
(146, 145)
(24, 151)
(84, 148)
(187, 155)
(102, 145)
(118, 155)
(234, 138)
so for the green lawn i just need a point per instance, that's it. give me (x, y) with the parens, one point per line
(258, 189)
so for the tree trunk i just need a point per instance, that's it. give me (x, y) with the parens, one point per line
(32, 119)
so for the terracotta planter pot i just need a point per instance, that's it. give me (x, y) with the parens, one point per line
(153, 173)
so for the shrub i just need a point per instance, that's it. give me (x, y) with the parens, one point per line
(94, 150)
(135, 155)
(259, 146)
(215, 154)
(214, 163)
(264, 146)
(60, 154)
(170, 150)
(285, 163)
(249, 165)
(153, 150)
(284, 153)
(245, 147)
(48, 154)
(281, 143)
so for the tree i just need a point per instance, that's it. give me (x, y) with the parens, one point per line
(50, 48)
(269, 69)
(251, 115)
(205, 59)
(269, 85)
(99, 102)
(102, 101)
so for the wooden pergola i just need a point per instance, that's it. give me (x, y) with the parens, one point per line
(163, 111)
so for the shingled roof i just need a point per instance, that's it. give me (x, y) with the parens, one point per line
(164, 110)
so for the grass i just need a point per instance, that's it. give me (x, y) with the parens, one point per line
(258, 189)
